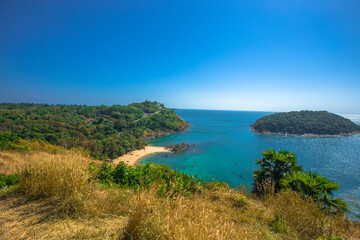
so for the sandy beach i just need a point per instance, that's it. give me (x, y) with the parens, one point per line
(133, 157)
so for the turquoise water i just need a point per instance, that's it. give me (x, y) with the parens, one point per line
(224, 148)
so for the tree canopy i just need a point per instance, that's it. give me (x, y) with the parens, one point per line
(316, 186)
(104, 131)
(306, 122)
(274, 165)
(281, 171)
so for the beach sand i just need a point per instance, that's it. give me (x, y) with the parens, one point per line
(135, 156)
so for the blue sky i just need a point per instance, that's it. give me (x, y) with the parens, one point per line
(236, 55)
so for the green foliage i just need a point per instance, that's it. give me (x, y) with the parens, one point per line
(241, 201)
(104, 131)
(274, 166)
(8, 180)
(104, 174)
(281, 169)
(305, 122)
(142, 176)
(318, 187)
(278, 225)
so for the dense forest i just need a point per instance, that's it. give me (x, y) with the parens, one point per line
(306, 122)
(104, 131)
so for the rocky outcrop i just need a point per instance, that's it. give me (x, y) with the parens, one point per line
(179, 147)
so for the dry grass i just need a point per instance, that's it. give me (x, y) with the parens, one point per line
(11, 162)
(266, 188)
(20, 219)
(56, 199)
(209, 215)
(66, 180)
(48, 175)
(304, 220)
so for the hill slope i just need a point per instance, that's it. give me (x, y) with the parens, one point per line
(105, 131)
(306, 122)
(59, 196)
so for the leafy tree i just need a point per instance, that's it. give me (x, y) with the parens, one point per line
(282, 170)
(316, 186)
(274, 166)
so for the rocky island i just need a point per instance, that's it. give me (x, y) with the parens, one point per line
(305, 123)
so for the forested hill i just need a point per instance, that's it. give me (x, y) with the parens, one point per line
(306, 122)
(105, 131)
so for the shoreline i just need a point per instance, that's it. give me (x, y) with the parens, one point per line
(166, 133)
(133, 157)
(306, 134)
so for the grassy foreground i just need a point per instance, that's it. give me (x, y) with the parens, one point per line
(58, 196)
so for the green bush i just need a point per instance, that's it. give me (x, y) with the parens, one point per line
(8, 180)
(142, 176)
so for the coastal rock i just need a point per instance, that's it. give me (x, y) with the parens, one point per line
(179, 147)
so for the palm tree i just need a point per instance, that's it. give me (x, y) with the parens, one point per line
(274, 166)
(316, 186)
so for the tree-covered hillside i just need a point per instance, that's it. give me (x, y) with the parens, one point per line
(105, 131)
(306, 122)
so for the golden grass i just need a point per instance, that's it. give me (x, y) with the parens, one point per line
(62, 177)
(11, 162)
(20, 219)
(57, 199)
(210, 215)
(303, 219)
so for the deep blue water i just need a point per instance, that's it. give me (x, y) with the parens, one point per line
(224, 148)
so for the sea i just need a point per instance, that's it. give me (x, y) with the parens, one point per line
(223, 148)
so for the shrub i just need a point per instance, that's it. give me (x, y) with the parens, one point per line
(8, 180)
(142, 176)
(240, 201)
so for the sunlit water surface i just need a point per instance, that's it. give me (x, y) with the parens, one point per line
(223, 148)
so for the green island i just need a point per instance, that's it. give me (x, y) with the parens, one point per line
(55, 187)
(106, 132)
(305, 122)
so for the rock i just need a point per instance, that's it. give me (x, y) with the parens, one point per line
(179, 147)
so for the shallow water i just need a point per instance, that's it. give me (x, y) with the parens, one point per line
(224, 148)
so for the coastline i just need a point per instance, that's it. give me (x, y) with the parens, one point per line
(166, 133)
(306, 134)
(133, 157)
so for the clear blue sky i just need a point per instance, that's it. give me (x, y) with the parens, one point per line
(242, 55)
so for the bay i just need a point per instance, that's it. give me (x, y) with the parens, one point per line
(223, 148)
